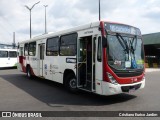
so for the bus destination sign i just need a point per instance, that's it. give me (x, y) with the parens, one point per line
(118, 28)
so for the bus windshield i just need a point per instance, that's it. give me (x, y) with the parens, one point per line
(125, 52)
(3, 54)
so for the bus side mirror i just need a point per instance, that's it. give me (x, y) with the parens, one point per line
(104, 41)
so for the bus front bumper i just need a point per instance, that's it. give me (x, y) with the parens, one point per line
(107, 88)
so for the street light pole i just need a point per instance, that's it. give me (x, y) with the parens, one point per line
(99, 10)
(30, 9)
(30, 24)
(45, 19)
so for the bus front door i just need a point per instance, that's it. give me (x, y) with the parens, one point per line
(41, 60)
(85, 63)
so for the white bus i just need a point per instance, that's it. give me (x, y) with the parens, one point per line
(8, 58)
(101, 57)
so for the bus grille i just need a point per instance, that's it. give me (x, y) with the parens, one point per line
(127, 88)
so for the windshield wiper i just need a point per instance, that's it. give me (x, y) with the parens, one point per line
(132, 49)
(123, 43)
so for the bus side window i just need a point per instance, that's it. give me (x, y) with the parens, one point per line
(32, 49)
(99, 51)
(68, 44)
(26, 49)
(52, 46)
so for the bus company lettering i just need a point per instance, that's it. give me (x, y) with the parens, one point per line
(34, 59)
(88, 32)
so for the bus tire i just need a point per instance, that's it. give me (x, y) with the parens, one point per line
(29, 75)
(70, 83)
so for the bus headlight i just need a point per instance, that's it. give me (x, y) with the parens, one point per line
(112, 79)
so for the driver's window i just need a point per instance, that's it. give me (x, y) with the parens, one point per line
(99, 51)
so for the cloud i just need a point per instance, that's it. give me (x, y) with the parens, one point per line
(62, 14)
(153, 13)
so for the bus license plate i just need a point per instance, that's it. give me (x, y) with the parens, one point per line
(131, 90)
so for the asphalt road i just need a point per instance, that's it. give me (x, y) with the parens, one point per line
(18, 93)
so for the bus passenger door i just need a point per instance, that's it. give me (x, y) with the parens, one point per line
(41, 59)
(86, 63)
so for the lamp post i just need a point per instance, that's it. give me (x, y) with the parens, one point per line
(45, 19)
(99, 10)
(30, 9)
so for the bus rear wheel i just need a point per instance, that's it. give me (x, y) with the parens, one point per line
(29, 75)
(70, 83)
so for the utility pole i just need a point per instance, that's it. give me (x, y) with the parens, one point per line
(45, 19)
(30, 9)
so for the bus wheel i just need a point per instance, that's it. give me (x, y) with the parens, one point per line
(70, 83)
(29, 72)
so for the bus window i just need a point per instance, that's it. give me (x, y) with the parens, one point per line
(99, 52)
(68, 45)
(26, 49)
(32, 49)
(52, 46)
(3, 54)
(12, 54)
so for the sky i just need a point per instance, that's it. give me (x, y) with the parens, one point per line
(63, 14)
